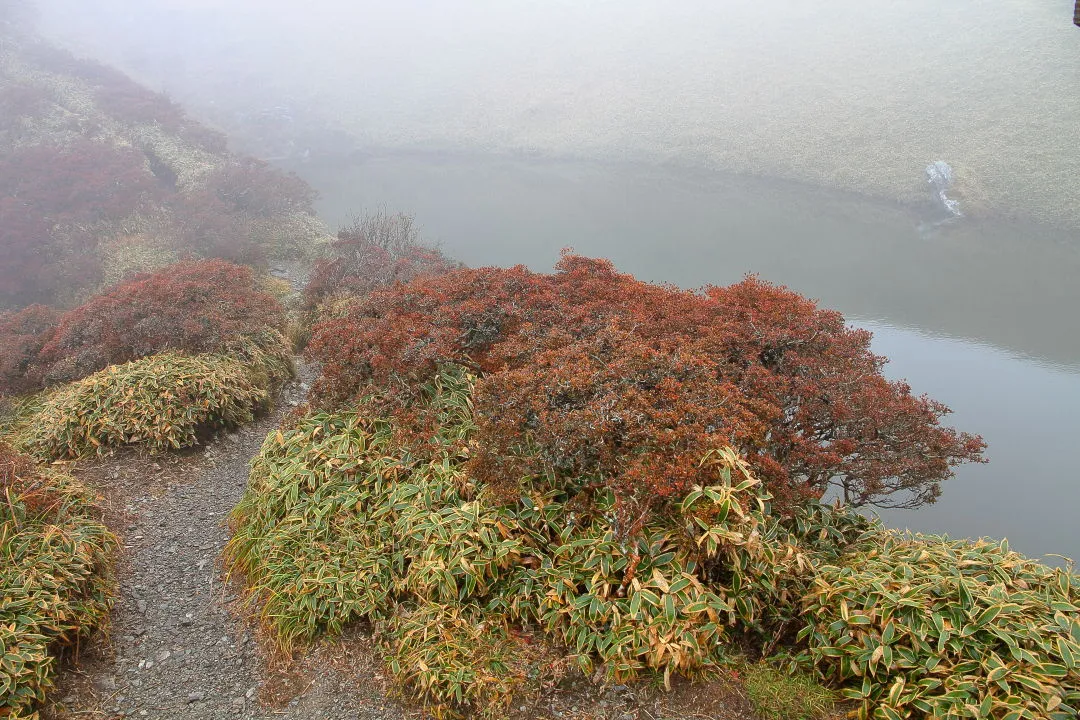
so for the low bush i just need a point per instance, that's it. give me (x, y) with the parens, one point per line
(192, 306)
(475, 596)
(343, 523)
(162, 402)
(55, 576)
(375, 251)
(930, 627)
(753, 366)
(23, 334)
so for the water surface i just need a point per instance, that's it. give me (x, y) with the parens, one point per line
(981, 316)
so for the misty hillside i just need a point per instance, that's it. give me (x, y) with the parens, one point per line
(852, 95)
(252, 470)
(101, 178)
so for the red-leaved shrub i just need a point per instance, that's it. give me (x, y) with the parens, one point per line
(127, 101)
(50, 199)
(375, 251)
(23, 334)
(252, 187)
(591, 376)
(195, 306)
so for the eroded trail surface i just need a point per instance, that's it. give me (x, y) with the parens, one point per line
(178, 649)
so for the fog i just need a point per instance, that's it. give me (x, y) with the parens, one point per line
(851, 94)
(693, 142)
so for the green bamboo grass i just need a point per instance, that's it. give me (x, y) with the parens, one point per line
(473, 599)
(163, 402)
(56, 583)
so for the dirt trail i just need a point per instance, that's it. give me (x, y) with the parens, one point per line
(177, 646)
(177, 649)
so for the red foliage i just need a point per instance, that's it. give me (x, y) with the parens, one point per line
(207, 228)
(49, 198)
(374, 252)
(79, 183)
(194, 306)
(52, 197)
(252, 187)
(611, 410)
(22, 481)
(591, 375)
(22, 336)
(125, 100)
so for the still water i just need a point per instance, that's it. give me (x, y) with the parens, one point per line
(981, 316)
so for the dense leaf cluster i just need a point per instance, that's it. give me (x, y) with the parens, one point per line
(195, 307)
(163, 402)
(947, 628)
(23, 335)
(55, 576)
(595, 378)
(475, 596)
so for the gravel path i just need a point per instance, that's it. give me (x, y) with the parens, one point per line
(178, 649)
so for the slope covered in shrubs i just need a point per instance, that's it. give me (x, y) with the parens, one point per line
(194, 307)
(513, 476)
(101, 178)
(55, 576)
(162, 402)
(476, 598)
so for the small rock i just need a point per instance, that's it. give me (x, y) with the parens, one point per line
(195, 697)
(141, 605)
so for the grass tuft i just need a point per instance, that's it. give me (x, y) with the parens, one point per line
(786, 695)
